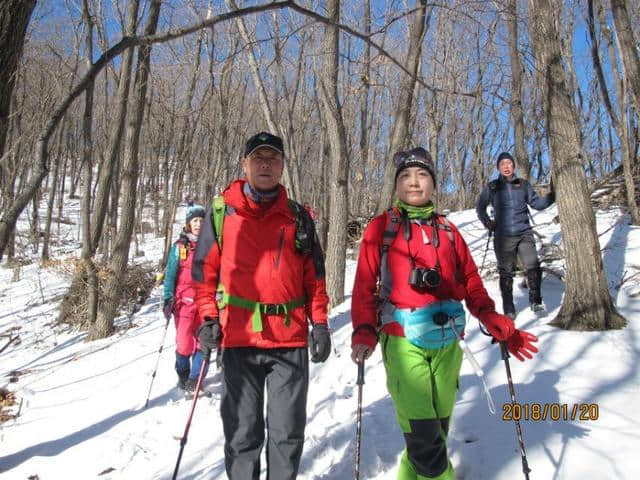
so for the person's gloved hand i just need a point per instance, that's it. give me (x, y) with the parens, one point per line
(363, 342)
(520, 344)
(499, 326)
(320, 343)
(167, 308)
(491, 225)
(209, 335)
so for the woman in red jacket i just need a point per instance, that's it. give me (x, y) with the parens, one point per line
(414, 269)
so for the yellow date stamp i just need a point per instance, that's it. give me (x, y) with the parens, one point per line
(556, 412)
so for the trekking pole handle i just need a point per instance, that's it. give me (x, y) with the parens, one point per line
(360, 380)
(504, 350)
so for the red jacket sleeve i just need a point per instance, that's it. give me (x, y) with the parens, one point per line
(364, 299)
(316, 291)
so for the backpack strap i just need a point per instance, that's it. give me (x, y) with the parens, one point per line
(493, 188)
(443, 223)
(218, 210)
(304, 227)
(394, 221)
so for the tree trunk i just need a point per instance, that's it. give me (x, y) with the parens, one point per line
(118, 262)
(290, 179)
(517, 114)
(52, 195)
(182, 154)
(400, 130)
(620, 124)
(587, 304)
(90, 272)
(628, 48)
(14, 19)
(364, 112)
(339, 166)
(115, 137)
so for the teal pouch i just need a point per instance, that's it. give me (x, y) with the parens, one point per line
(431, 326)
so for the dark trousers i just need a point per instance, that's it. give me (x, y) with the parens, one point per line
(285, 372)
(507, 250)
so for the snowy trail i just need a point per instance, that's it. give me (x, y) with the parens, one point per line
(82, 412)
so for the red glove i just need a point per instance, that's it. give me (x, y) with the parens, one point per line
(364, 335)
(499, 326)
(520, 346)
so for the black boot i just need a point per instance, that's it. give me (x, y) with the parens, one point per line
(534, 278)
(506, 290)
(183, 380)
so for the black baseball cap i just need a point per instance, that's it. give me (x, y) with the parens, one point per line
(263, 139)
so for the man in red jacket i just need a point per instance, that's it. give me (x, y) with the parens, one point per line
(256, 282)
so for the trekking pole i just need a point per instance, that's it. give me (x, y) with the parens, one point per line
(486, 249)
(335, 348)
(360, 383)
(153, 375)
(523, 455)
(183, 440)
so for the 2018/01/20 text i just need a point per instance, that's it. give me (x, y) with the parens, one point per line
(550, 411)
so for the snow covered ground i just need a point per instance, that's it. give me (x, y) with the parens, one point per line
(82, 412)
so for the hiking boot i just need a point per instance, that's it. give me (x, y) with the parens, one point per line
(190, 385)
(537, 307)
(534, 279)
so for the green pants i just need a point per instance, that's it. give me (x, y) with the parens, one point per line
(423, 384)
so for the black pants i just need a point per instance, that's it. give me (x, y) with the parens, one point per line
(507, 250)
(285, 371)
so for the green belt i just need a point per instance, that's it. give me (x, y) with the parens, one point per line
(260, 308)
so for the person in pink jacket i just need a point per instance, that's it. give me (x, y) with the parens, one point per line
(179, 299)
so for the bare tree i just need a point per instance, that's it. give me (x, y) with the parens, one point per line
(517, 115)
(290, 178)
(118, 262)
(339, 164)
(14, 19)
(400, 129)
(628, 47)
(586, 304)
(619, 123)
(87, 154)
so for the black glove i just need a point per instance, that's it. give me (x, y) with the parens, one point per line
(320, 343)
(491, 225)
(209, 335)
(167, 309)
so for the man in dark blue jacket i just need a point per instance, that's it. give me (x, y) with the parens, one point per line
(509, 196)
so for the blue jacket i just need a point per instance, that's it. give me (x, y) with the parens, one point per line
(509, 200)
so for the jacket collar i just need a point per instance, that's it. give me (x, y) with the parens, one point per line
(514, 181)
(235, 196)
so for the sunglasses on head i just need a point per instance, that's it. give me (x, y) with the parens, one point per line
(418, 154)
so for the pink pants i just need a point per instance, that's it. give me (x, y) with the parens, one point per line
(184, 314)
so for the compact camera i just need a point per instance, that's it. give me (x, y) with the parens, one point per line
(424, 278)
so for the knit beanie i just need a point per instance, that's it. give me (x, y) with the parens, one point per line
(194, 210)
(417, 157)
(504, 155)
